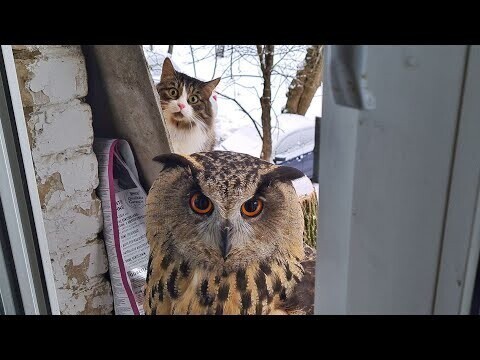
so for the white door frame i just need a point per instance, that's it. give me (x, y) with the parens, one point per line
(461, 240)
(398, 226)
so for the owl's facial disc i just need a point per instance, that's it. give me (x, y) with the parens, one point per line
(237, 226)
(224, 210)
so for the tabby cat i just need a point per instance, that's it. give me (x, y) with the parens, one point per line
(188, 110)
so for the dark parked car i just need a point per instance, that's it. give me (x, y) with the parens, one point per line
(293, 141)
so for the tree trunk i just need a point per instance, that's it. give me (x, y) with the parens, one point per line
(306, 82)
(265, 54)
(266, 121)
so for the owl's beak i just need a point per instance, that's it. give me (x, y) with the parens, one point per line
(225, 245)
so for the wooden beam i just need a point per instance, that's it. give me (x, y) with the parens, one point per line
(126, 105)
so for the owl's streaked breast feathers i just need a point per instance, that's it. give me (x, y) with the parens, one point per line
(226, 261)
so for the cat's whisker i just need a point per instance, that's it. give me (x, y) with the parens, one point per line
(197, 121)
(201, 123)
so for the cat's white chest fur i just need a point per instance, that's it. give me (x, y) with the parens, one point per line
(187, 141)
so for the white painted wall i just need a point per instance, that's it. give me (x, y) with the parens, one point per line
(461, 244)
(53, 84)
(338, 145)
(384, 183)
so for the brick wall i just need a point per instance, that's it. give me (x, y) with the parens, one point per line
(53, 83)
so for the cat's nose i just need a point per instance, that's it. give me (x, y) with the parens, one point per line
(181, 106)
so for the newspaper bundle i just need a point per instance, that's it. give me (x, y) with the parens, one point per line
(123, 202)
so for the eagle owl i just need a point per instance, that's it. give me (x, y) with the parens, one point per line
(226, 237)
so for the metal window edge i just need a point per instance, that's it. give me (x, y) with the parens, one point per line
(30, 176)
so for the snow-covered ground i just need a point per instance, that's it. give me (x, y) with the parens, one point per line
(293, 136)
(230, 117)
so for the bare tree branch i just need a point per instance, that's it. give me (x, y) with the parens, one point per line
(260, 56)
(214, 68)
(279, 86)
(274, 73)
(250, 76)
(210, 53)
(266, 55)
(193, 61)
(245, 111)
(286, 53)
(231, 62)
(249, 88)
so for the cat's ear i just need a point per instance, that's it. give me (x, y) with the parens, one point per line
(211, 85)
(167, 69)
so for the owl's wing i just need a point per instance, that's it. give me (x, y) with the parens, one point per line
(303, 297)
(302, 300)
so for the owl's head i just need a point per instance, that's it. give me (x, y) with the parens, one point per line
(223, 210)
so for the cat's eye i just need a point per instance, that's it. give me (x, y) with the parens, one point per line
(173, 92)
(201, 204)
(193, 99)
(252, 207)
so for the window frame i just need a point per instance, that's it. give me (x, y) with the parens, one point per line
(25, 231)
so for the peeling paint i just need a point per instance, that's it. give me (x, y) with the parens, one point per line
(93, 210)
(77, 272)
(96, 300)
(53, 84)
(51, 74)
(71, 229)
(95, 304)
(61, 127)
(51, 184)
(76, 265)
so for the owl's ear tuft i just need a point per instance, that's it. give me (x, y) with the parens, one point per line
(173, 160)
(281, 173)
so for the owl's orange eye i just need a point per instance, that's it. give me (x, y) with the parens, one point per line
(201, 204)
(252, 207)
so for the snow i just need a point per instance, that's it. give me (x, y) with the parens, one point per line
(155, 60)
(303, 186)
(244, 140)
(246, 90)
(292, 122)
(292, 134)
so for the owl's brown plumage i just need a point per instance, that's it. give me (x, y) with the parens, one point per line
(224, 262)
